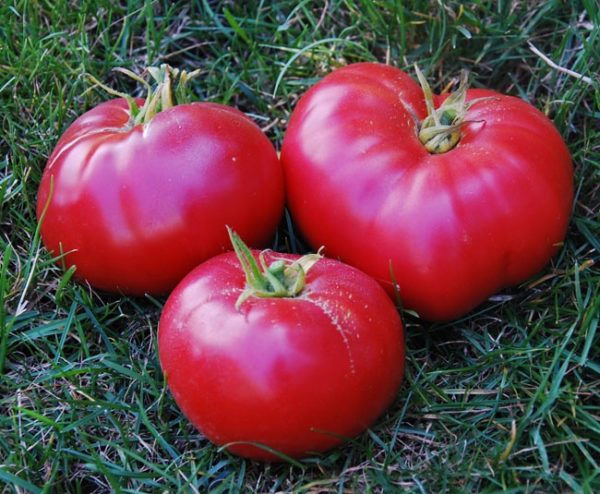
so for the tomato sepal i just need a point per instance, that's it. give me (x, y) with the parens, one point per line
(171, 89)
(440, 131)
(282, 278)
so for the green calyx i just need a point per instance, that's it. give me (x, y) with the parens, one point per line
(440, 131)
(170, 89)
(282, 278)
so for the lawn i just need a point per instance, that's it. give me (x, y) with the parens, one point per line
(505, 399)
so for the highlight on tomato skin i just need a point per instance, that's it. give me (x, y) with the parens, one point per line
(453, 197)
(137, 192)
(278, 375)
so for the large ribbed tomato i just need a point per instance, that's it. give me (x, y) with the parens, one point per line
(136, 204)
(452, 225)
(296, 371)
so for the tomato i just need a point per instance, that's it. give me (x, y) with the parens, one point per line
(294, 372)
(135, 205)
(484, 208)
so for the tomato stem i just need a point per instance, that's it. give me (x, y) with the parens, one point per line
(440, 130)
(170, 89)
(281, 278)
(163, 96)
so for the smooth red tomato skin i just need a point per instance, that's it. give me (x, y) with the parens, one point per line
(136, 209)
(456, 227)
(294, 374)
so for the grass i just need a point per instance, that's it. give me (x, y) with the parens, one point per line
(503, 400)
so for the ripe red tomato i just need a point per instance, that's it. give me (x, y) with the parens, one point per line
(296, 374)
(453, 227)
(136, 207)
